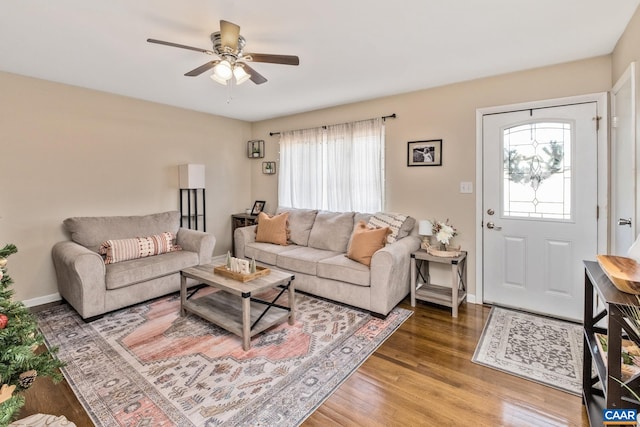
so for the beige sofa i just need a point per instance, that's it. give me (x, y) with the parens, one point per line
(94, 288)
(317, 258)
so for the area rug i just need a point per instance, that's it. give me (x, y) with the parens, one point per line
(147, 366)
(536, 348)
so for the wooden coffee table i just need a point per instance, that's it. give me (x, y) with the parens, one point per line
(233, 308)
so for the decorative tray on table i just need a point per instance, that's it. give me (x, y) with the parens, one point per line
(224, 271)
(450, 252)
(623, 272)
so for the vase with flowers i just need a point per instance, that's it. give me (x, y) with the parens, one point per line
(443, 232)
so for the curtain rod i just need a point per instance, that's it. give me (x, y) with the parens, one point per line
(390, 116)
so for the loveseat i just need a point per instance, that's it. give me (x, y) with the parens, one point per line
(116, 261)
(315, 252)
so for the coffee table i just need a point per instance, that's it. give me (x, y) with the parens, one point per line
(233, 308)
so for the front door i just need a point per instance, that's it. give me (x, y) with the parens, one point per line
(539, 207)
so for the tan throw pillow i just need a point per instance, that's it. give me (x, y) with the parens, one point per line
(138, 247)
(365, 242)
(273, 229)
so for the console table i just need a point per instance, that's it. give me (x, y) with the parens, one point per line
(603, 301)
(438, 294)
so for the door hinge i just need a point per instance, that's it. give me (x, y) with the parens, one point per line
(614, 122)
(597, 119)
(597, 212)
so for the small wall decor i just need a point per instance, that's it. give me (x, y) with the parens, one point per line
(268, 168)
(424, 153)
(255, 149)
(258, 206)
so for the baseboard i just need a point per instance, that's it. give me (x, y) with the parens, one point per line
(471, 299)
(34, 302)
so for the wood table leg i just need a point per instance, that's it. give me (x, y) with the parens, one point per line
(292, 303)
(454, 290)
(183, 294)
(413, 281)
(246, 322)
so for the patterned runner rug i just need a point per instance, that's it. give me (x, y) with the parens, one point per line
(536, 348)
(145, 365)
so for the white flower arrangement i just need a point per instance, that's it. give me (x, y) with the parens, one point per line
(443, 231)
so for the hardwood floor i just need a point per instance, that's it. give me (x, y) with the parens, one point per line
(421, 376)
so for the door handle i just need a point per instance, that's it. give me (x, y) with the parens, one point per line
(492, 226)
(624, 221)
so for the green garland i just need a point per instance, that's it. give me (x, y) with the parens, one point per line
(20, 343)
(534, 169)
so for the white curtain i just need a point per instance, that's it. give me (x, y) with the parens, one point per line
(338, 168)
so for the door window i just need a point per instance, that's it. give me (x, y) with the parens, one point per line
(537, 179)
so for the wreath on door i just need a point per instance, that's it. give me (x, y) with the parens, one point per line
(534, 169)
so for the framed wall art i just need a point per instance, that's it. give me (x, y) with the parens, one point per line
(424, 153)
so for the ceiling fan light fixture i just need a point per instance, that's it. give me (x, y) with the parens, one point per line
(217, 79)
(240, 74)
(223, 70)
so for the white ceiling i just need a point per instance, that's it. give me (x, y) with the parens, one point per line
(350, 50)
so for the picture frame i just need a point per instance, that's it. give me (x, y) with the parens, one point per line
(268, 168)
(258, 206)
(424, 153)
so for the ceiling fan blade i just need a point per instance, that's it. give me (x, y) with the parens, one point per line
(229, 34)
(256, 77)
(181, 46)
(274, 59)
(201, 69)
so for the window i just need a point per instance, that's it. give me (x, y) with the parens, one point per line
(537, 171)
(336, 168)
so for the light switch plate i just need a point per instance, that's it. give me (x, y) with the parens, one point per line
(466, 187)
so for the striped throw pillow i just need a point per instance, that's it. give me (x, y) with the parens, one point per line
(400, 225)
(138, 247)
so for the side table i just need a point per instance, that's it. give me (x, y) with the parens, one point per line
(438, 294)
(240, 220)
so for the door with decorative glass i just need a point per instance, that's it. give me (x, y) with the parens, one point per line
(539, 207)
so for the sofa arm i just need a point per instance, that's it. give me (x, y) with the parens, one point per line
(197, 241)
(390, 275)
(81, 277)
(241, 237)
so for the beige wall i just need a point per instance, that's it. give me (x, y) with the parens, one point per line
(67, 151)
(447, 113)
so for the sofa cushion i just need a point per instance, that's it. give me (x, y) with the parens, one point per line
(138, 247)
(365, 242)
(331, 231)
(300, 223)
(265, 252)
(273, 229)
(400, 225)
(135, 271)
(345, 270)
(303, 259)
(90, 232)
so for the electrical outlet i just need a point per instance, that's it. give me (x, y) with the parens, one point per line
(466, 187)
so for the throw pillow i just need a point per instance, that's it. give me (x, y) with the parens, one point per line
(273, 229)
(400, 225)
(138, 247)
(365, 242)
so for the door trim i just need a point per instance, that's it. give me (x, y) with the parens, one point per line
(629, 75)
(601, 100)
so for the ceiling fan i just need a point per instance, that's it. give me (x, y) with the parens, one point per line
(228, 46)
